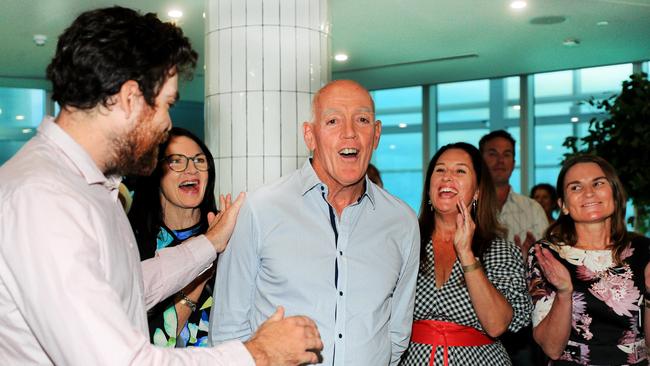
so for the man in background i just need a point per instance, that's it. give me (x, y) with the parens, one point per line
(525, 221)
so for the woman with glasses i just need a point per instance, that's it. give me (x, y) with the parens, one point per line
(170, 206)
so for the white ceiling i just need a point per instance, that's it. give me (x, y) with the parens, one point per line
(380, 33)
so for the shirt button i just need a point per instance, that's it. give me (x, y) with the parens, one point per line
(322, 188)
(340, 335)
(340, 293)
(340, 252)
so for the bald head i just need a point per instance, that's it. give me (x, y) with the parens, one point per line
(342, 134)
(339, 87)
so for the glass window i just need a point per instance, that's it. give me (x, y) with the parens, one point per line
(400, 119)
(476, 91)
(548, 143)
(397, 98)
(605, 79)
(464, 115)
(399, 151)
(547, 175)
(470, 136)
(553, 84)
(553, 109)
(21, 111)
(406, 185)
(399, 154)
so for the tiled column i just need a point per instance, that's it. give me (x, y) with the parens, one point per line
(264, 62)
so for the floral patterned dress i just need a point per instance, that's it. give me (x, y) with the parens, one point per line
(606, 327)
(162, 318)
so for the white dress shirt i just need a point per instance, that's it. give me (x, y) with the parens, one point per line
(354, 274)
(521, 214)
(72, 288)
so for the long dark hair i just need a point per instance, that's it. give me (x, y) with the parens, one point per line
(146, 214)
(564, 229)
(485, 215)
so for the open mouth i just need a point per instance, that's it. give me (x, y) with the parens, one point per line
(447, 192)
(189, 186)
(349, 152)
(591, 204)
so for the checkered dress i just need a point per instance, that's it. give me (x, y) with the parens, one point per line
(505, 269)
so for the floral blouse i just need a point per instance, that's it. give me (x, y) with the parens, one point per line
(606, 327)
(162, 318)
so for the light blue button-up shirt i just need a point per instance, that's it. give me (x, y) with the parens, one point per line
(284, 251)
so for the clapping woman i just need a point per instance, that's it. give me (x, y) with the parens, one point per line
(590, 277)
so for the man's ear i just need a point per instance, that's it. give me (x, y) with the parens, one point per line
(377, 134)
(129, 97)
(308, 135)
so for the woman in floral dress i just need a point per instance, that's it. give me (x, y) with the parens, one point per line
(589, 277)
(169, 207)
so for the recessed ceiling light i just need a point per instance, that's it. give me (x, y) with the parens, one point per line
(341, 57)
(20, 117)
(402, 125)
(175, 13)
(549, 147)
(27, 130)
(516, 107)
(602, 23)
(571, 42)
(392, 147)
(575, 119)
(0, 110)
(518, 4)
(203, 15)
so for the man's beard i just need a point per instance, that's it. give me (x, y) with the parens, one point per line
(136, 152)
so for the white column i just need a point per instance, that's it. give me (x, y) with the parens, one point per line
(264, 62)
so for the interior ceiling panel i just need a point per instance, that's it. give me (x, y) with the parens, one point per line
(391, 42)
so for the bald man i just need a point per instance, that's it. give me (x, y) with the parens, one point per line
(326, 242)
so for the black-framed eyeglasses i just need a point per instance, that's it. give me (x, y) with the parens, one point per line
(179, 162)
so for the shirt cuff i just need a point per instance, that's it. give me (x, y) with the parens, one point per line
(235, 353)
(201, 250)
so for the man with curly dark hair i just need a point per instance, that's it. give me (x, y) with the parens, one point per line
(72, 288)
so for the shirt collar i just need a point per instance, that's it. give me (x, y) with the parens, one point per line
(309, 180)
(77, 155)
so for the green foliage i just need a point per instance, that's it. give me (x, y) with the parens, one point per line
(622, 137)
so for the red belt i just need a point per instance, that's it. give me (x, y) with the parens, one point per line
(446, 334)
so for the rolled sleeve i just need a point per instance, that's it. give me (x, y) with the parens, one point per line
(505, 269)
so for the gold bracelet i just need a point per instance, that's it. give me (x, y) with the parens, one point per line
(471, 267)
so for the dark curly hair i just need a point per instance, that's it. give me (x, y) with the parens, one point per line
(104, 48)
(146, 214)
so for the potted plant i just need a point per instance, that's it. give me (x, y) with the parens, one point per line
(622, 137)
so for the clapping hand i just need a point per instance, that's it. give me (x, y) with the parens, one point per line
(554, 271)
